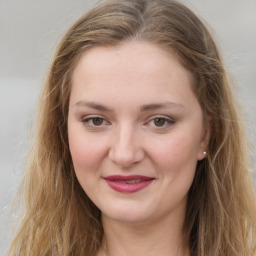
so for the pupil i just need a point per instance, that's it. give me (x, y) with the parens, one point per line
(97, 121)
(159, 121)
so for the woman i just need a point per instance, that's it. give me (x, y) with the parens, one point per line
(138, 147)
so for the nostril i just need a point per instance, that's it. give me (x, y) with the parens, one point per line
(126, 148)
(125, 156)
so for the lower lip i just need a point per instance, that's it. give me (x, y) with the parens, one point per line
(128, 187)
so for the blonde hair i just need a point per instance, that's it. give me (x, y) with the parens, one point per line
(59, 218)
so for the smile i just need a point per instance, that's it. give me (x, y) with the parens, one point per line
(128, 184)
(131, 181)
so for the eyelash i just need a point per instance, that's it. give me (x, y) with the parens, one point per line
(88, 121)
(167, 121)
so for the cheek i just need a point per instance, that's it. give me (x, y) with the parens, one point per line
(86, 152)
(175, 154)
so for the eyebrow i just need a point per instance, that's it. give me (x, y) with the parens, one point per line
(156, 106)
(144, 108)
(93, 105)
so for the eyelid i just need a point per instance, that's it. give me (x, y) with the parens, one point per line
(88, 118)
(170, 121)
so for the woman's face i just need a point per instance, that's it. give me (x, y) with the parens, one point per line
(135, 130)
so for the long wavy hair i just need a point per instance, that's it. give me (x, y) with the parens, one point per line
(58, 217)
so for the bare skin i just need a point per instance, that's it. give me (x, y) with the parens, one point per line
(133, 112)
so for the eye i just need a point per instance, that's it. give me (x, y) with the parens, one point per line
(161, 122)
(94, 121)
(97, 121)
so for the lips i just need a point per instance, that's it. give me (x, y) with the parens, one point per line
(128, 184)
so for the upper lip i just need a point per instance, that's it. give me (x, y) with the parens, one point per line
(127, 178)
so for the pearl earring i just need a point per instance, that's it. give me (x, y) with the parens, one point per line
(205, 154)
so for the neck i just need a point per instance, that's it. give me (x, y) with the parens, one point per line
(159, 237)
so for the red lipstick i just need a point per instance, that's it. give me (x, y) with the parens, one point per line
(128, 184)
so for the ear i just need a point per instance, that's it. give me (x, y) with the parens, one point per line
(205, 138)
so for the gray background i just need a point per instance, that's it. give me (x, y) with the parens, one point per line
(29, 32)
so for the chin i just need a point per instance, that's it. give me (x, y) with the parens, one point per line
(134, 218)
(127, 214)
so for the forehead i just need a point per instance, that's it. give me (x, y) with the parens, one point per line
(147, 57)
(134, 70)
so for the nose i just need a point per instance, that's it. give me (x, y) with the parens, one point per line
(126, 149)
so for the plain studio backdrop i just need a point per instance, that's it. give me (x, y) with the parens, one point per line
(29, 33)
